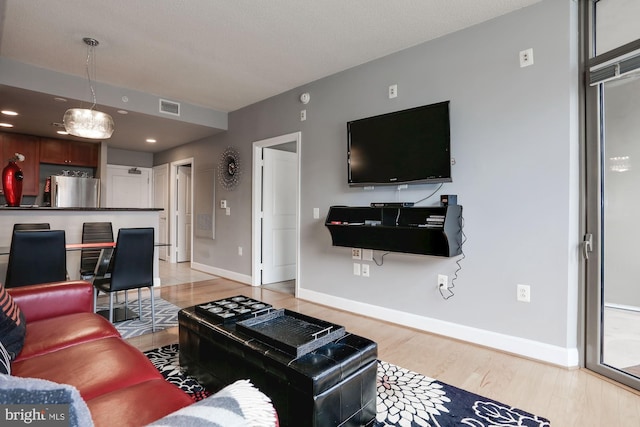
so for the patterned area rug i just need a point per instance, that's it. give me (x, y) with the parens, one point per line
(405, 398)
(166, 317)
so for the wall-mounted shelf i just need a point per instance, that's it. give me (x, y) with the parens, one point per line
(435, 230)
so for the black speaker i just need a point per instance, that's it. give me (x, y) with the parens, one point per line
(448, 199)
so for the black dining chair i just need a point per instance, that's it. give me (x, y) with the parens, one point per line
(93, 232)
(130, 268)
(36, 256)
(31, 226)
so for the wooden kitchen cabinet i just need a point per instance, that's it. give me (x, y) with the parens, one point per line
(11, 143)
(72, 153)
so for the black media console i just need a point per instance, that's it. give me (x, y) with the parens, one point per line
(434, 230)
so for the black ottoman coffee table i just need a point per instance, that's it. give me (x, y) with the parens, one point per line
(328, 382)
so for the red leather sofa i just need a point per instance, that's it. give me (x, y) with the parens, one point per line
(67, 343)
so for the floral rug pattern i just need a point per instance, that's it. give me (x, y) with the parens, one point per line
(405, 398)
(409, 399)
(167, 362)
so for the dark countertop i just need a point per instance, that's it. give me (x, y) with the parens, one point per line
(43, 208)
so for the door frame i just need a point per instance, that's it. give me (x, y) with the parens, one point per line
(163, 169)
(173, 238)
(256, 216)
(593, 190)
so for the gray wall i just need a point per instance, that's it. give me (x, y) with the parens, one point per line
(37, 79)
(129, 158)
(515, 140)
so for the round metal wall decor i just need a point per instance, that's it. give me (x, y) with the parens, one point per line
(229, 168)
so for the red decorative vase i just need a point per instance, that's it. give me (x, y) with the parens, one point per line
(12, 184)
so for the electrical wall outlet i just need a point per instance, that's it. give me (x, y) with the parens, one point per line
(240, 250)
(443, 281)
(303, 115)
(526, 57)
(365, 270)
(356, 253)
(356, 269)
(393, 91)
(524, 293)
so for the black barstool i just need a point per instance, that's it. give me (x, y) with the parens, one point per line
(36, 256)
(31, 226)
(131, 268)
(93, 232)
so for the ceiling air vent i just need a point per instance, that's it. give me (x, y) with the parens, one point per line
(169, 107)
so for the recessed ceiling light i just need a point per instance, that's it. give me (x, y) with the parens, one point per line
(59, 99)
(123, 112)
(6, 125)
(62, 132)
(9, 113)
(151, 141)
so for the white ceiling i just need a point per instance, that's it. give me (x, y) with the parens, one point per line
(226, 54)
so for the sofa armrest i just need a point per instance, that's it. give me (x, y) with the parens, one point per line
(47, 300)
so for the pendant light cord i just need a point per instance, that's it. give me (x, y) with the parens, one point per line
(91, 64)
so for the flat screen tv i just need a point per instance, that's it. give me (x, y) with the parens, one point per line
(403, 147)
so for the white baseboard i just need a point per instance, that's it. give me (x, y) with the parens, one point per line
(566, 357)
(232, 275)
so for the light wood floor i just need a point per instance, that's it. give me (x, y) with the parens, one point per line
(566, 397)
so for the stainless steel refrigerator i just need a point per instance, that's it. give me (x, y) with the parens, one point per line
(75, 192)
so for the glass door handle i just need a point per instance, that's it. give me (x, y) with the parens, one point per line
(587, 245)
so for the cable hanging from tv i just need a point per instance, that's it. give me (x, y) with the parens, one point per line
(458, 263)
(434, 192)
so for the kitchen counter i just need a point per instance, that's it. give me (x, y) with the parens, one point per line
(50, 208)
(70, 220)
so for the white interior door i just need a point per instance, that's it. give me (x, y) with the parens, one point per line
(128, 187)
(279, 216)
(183, 214)
(161, 201)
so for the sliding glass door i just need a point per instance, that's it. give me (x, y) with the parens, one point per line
(612, 154)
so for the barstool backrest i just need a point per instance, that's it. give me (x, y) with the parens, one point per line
(36, 256)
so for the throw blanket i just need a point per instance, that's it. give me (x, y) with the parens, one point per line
(29, 392)
(237, 405)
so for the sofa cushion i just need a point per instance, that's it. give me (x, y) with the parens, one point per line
(94, 367)
(49, 300)
(12, 327)
(143, 402)
(19, 391)
(45, 336)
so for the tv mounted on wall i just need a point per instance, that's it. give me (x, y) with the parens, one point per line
(403, 147)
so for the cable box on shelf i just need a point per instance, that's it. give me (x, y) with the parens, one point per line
(391, 204)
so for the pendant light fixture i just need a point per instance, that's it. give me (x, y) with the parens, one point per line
(89, 123)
